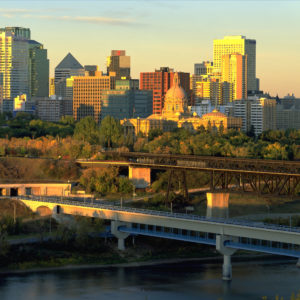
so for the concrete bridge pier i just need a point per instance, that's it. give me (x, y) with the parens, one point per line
(140, 177)
(121, 236)
(227, 268)
(217, 205)
(227, 252)
(298, 263)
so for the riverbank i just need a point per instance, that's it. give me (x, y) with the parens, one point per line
(135, 264)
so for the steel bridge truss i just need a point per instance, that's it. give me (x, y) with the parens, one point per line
(263, 184)
(266, 177)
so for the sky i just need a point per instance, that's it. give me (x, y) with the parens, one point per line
(156, 33)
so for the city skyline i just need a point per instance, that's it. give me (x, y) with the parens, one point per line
(173, 34)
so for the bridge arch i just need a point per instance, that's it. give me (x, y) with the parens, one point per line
(44, 210)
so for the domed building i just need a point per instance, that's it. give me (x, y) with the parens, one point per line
(176, 114)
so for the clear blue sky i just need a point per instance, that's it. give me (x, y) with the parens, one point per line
(165, 33)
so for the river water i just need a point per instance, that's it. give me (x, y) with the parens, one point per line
(190, 280)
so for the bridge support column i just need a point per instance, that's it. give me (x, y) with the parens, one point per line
(298, 263)
(227, 252)
(141, 177)
(217, 205)
(121, 244)
(227, 269)
(121, 236)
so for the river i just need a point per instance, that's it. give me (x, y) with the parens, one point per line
(189, 280)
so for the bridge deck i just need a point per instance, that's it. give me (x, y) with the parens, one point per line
(231, 227)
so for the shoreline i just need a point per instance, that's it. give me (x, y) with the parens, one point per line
(136, 264)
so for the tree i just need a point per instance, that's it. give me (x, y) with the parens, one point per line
(4, 247)
(201, 129)
(67, 120)
(221, 128)
(87, 130)
(209, 127)
(153, 133)
(111, 133)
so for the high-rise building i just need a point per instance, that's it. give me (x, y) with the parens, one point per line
(209, 88)
(1, 91)
(125, 104)
(237, 44)
(127, 84)
(234, 71)
(87, 94)
(14, 65)
(19, 32)
(160, 82)
(68, 67)
(39, 70)
(51, 87)
(53, 109)
(263, 115)
(119, 63)
(242, 109)
(204, 68)
(23, 64)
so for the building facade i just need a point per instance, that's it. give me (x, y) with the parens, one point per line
(240, 45)
(67, 68)
(159, 82)
(14, 65)
(119, 63)
(39, 70)
(127, 84)
(204, 68)
(176, 114)
(53, 109)
(214, 90)
(287, 117)
(87, 94)
(263, 115)
(234, 71)
(51, 87)
(125, 104)
(23, 64)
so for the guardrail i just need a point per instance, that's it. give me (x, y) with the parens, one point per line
(101, 205)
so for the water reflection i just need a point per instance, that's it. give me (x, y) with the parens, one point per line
(191, 280)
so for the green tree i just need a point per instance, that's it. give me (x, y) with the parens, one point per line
(67, 120)
(153, 133)
(111, 133)
(87, 130)
(125, 185)
(221, 128)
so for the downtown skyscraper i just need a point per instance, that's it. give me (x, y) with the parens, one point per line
(237, 45)
(24, 66)
(119, 63)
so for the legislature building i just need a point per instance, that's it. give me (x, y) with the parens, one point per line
(176, 114)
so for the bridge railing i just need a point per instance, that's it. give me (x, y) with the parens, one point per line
(101, 205)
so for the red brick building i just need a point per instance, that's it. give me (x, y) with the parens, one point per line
(160, 82)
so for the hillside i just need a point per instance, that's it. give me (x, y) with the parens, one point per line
(13, 169)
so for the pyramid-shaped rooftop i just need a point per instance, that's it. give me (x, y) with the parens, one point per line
(69, 62)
